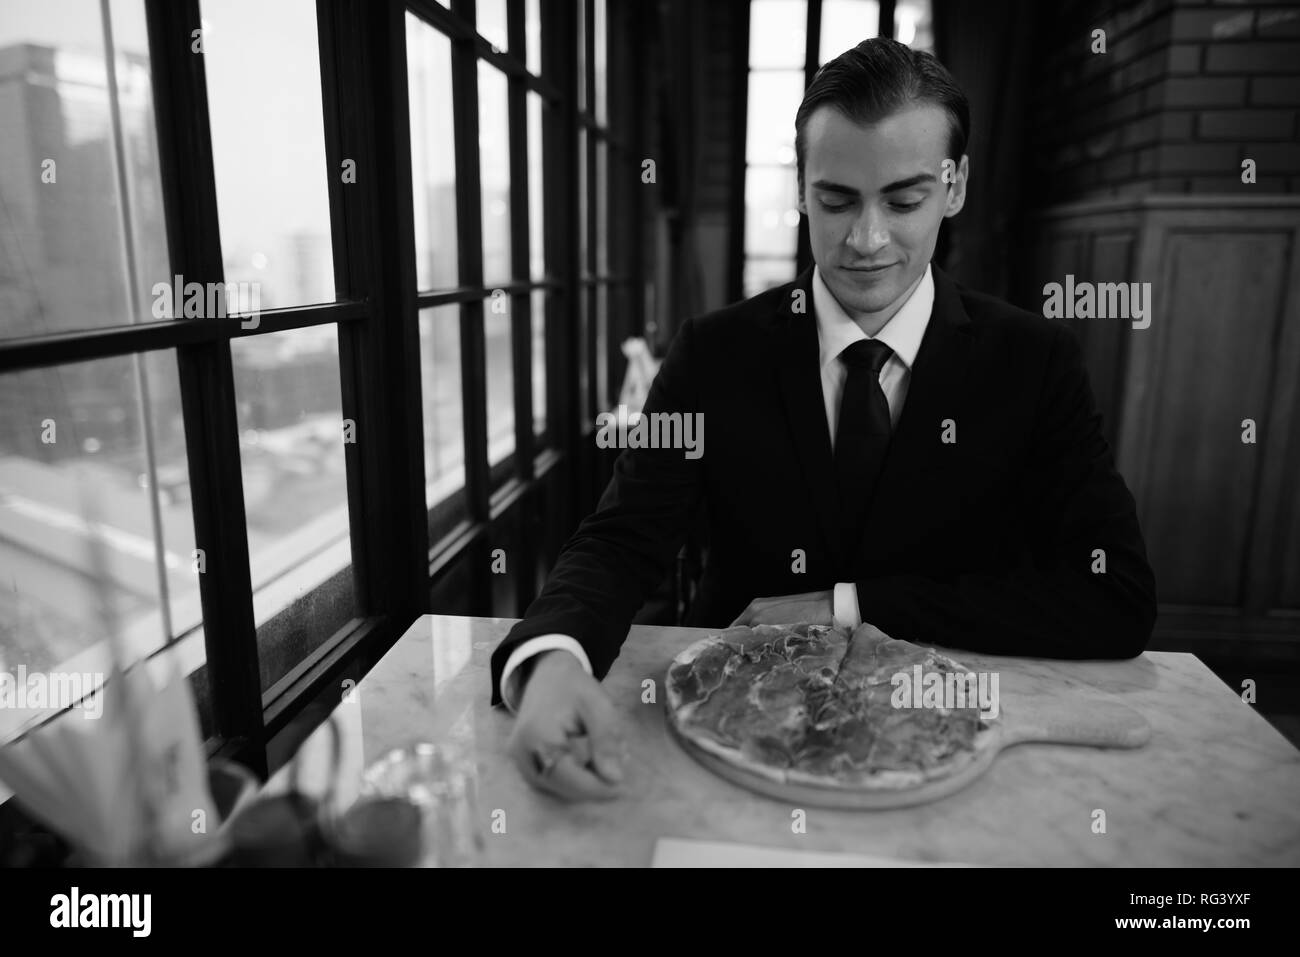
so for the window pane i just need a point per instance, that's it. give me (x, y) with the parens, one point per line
(66, 251)
(769, 127)
(500, 380)
(492, 22)
(433, 155)
(440, 383)
(584, 204)
(290, 413)
(845, 24)
(777, 33)
(268, 145)
(600, 36)
(533, 34)
(602, 208)
(761, 274)
(95, 521)
(536, 190)
(602, 347)
(771, 213)
(494, 172)
(582, 56)
(912, 24)
(539, 360)
(586, 297)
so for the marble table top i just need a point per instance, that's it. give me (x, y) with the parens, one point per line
(1216, 785)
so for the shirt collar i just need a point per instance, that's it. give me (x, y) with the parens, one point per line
(902, 333)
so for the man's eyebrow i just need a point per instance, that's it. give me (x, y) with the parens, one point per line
(827, 186)
(916, 180)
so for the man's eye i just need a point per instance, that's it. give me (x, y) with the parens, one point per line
(834, 207)
(907, 207)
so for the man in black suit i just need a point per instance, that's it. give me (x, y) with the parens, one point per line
(883, 447)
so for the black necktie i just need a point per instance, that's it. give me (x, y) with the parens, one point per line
(862, 435)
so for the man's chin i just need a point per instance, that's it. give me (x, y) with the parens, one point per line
(856, 300)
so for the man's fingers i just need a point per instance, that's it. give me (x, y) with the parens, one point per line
(579, 748)
(603, 738)
(582, 763)
(531, 749)
(567, 779)
(606, 760)
(567, 741)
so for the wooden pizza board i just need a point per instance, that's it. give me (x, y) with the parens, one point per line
(1084, 723)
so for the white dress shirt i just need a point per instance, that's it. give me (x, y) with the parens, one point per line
(835, 332)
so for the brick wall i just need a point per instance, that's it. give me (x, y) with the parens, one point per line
(1185, 92)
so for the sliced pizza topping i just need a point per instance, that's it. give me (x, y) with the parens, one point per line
(814, 699)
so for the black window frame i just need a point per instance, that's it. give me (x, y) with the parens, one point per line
(811, 64)
(395, 563)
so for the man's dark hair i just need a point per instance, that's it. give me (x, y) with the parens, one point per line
(879, 77)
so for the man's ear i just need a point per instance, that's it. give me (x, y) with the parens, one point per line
(957, 190)
(799, 203)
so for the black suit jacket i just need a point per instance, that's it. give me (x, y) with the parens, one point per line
(986, 544)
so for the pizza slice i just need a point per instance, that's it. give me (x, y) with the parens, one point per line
(858, 734)
(748, 689)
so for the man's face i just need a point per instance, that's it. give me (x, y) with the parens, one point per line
(875, 196)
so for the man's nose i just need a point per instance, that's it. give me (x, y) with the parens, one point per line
(869, 234)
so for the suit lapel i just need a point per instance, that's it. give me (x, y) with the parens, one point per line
(797, 358)
(934, 393)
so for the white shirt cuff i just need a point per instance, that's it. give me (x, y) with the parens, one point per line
(846, 609)
(535, 646)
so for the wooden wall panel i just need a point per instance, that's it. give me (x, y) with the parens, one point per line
(1288, 593)
(1221, 518)
(1105, 340)
(1214, 334)
(1275, 589)
(1106, 257)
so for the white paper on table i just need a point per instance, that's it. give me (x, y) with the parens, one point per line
(676, 852)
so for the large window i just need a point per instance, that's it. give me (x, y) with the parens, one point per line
(782, 62)
(481, 287)
(259, 318)
(173, 359)
(95, 522)
(264, 86)
(263, 70)
(608, 166)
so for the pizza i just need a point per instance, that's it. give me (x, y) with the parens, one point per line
(815, 705)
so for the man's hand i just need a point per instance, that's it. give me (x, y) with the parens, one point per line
(566, 740)
(814, 607)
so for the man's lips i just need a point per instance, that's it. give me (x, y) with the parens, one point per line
(868, 269)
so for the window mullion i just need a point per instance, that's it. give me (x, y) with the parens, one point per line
(207, 383)
(521, 306)
(367, 125)
(469, 217)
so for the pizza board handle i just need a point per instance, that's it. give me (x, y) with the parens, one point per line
(1091, 723)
